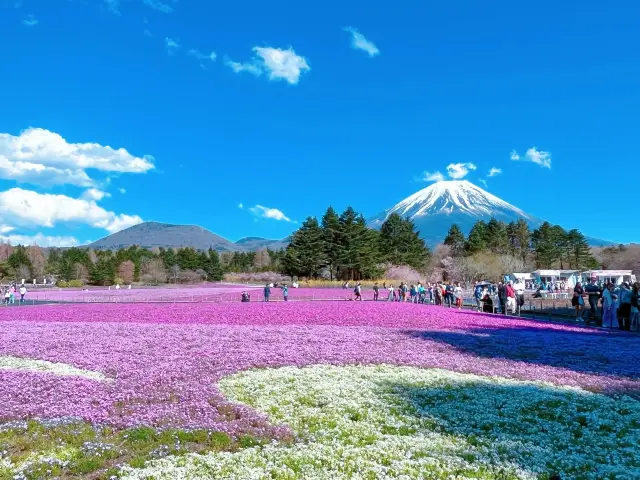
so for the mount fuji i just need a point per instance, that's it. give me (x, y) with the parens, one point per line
(435, 208)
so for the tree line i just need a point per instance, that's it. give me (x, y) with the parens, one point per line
(549, 246)
(106, 267)
(343, 247)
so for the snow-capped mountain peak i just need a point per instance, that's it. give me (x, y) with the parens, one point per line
(435, 208)
(453, 196)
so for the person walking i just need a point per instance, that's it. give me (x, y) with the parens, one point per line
(358, 292)
(457, 293)
(23, 292)
(267, 292)
(376, 291)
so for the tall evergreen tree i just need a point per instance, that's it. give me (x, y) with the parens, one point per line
(307, 243)
(580, 256)
(214, 270)
(455, 239)
(400, 244)
(331, 239)
(519, 239)
(476, 240)
(496, 238)
(545, 245)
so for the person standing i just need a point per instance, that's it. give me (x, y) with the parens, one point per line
(267, 292)
(376, 291)
(609, 317)
(578, 301)
(502, 298)
(511, 297)
(477, 294)
(285, 292)
(593, 291)
(23, 292)
(625, 306)
(392, 294)
(635, 308)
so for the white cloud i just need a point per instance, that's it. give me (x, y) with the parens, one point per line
(30, 21)
(238, 67)
(272, 213)
(483, 182)
(494, 171)
(459, 170)
(171, 45)
(122, 191)
(95, 194)
(534, 155)
(40, 240)
(6, 229)
(39, 174)
(147, 33)
(538, 156)
(277, 63)
(159, 6)
(359, 42)
(433, 177)
(27, 208)
(197, 54)
(240, 206)
(43, 157)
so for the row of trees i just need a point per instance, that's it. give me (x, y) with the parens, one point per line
(105, 267)
(344, 247)
(549, 246)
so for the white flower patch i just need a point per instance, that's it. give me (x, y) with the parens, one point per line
(377, 422)
(43, 366)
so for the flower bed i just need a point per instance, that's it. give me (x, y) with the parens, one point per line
(157, 365)
(390, 422)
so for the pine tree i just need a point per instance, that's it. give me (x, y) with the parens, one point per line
(214, 270)
(496, 238)
(545, 243)
(476, 240)
(307, 243)
(519, 239)
(331, 239)
(400, 244)
(455, 239)
(580, 256)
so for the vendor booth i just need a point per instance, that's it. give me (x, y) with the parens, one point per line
(609, 276)
(569, 277)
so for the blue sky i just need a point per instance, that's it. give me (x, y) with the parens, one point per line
(283, 108)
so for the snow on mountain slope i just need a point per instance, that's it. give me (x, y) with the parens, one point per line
(454, 196)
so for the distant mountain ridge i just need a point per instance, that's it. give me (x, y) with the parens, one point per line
(156, 234)
(435, 208)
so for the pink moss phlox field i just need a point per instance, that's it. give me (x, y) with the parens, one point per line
(212, 293)
(165, 359)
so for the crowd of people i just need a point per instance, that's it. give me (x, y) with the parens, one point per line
(610, 305)
(10, 293)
